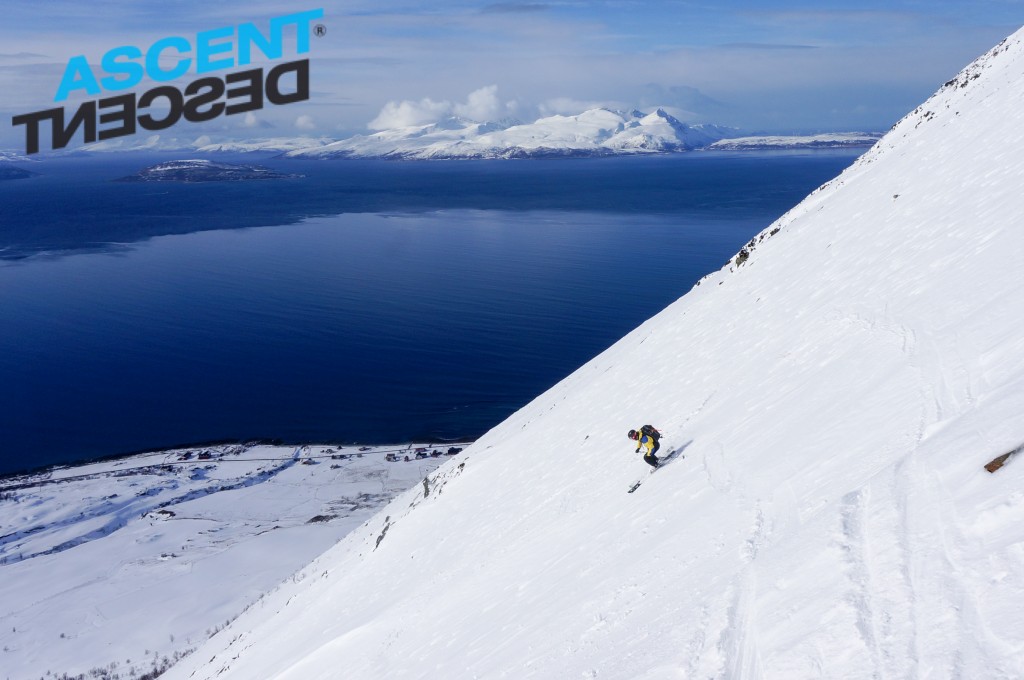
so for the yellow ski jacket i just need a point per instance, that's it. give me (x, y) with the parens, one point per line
(645, 440)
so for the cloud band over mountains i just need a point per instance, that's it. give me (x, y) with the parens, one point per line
(481, 105)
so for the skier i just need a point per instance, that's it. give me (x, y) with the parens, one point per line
(647, 437)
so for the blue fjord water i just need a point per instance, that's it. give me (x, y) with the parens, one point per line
(366, 301)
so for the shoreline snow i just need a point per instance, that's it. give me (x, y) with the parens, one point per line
(130, 562)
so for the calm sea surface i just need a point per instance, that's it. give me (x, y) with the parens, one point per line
(362, 302)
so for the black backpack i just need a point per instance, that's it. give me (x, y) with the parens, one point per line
(650, 432)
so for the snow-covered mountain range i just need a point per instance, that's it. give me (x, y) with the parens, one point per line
(202, 144)
(831, 396)
(834, 140)
(277, 144)
(597, 132)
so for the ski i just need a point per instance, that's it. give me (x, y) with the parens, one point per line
(635, 486)
(671, 456)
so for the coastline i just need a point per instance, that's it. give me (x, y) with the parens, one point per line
(6, 476)
(137, 559)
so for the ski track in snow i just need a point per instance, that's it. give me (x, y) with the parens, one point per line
(739, 638)
(856, 550)
(717, 470)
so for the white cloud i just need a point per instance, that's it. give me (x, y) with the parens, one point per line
(250, 120)
(481, 105)
(305, 122)
(408, 113)
(567, 106)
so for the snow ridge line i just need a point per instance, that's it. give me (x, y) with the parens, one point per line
(957, 88)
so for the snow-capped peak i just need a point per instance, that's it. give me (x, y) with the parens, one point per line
(594, 132)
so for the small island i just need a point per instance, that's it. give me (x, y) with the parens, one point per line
(11, 172)
(201, 170)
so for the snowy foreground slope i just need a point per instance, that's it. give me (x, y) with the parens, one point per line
(834, 397)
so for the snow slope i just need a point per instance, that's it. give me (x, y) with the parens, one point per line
(833, 393)
(119, 565)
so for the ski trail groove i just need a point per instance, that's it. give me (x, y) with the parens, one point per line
(717, 470)
(856, 552)
(739, 644)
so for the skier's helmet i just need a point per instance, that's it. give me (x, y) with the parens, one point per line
(632, 434)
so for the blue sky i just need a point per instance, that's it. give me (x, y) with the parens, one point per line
(762, 66)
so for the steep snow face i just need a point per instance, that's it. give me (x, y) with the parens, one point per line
(593, 132)
(832, 394)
